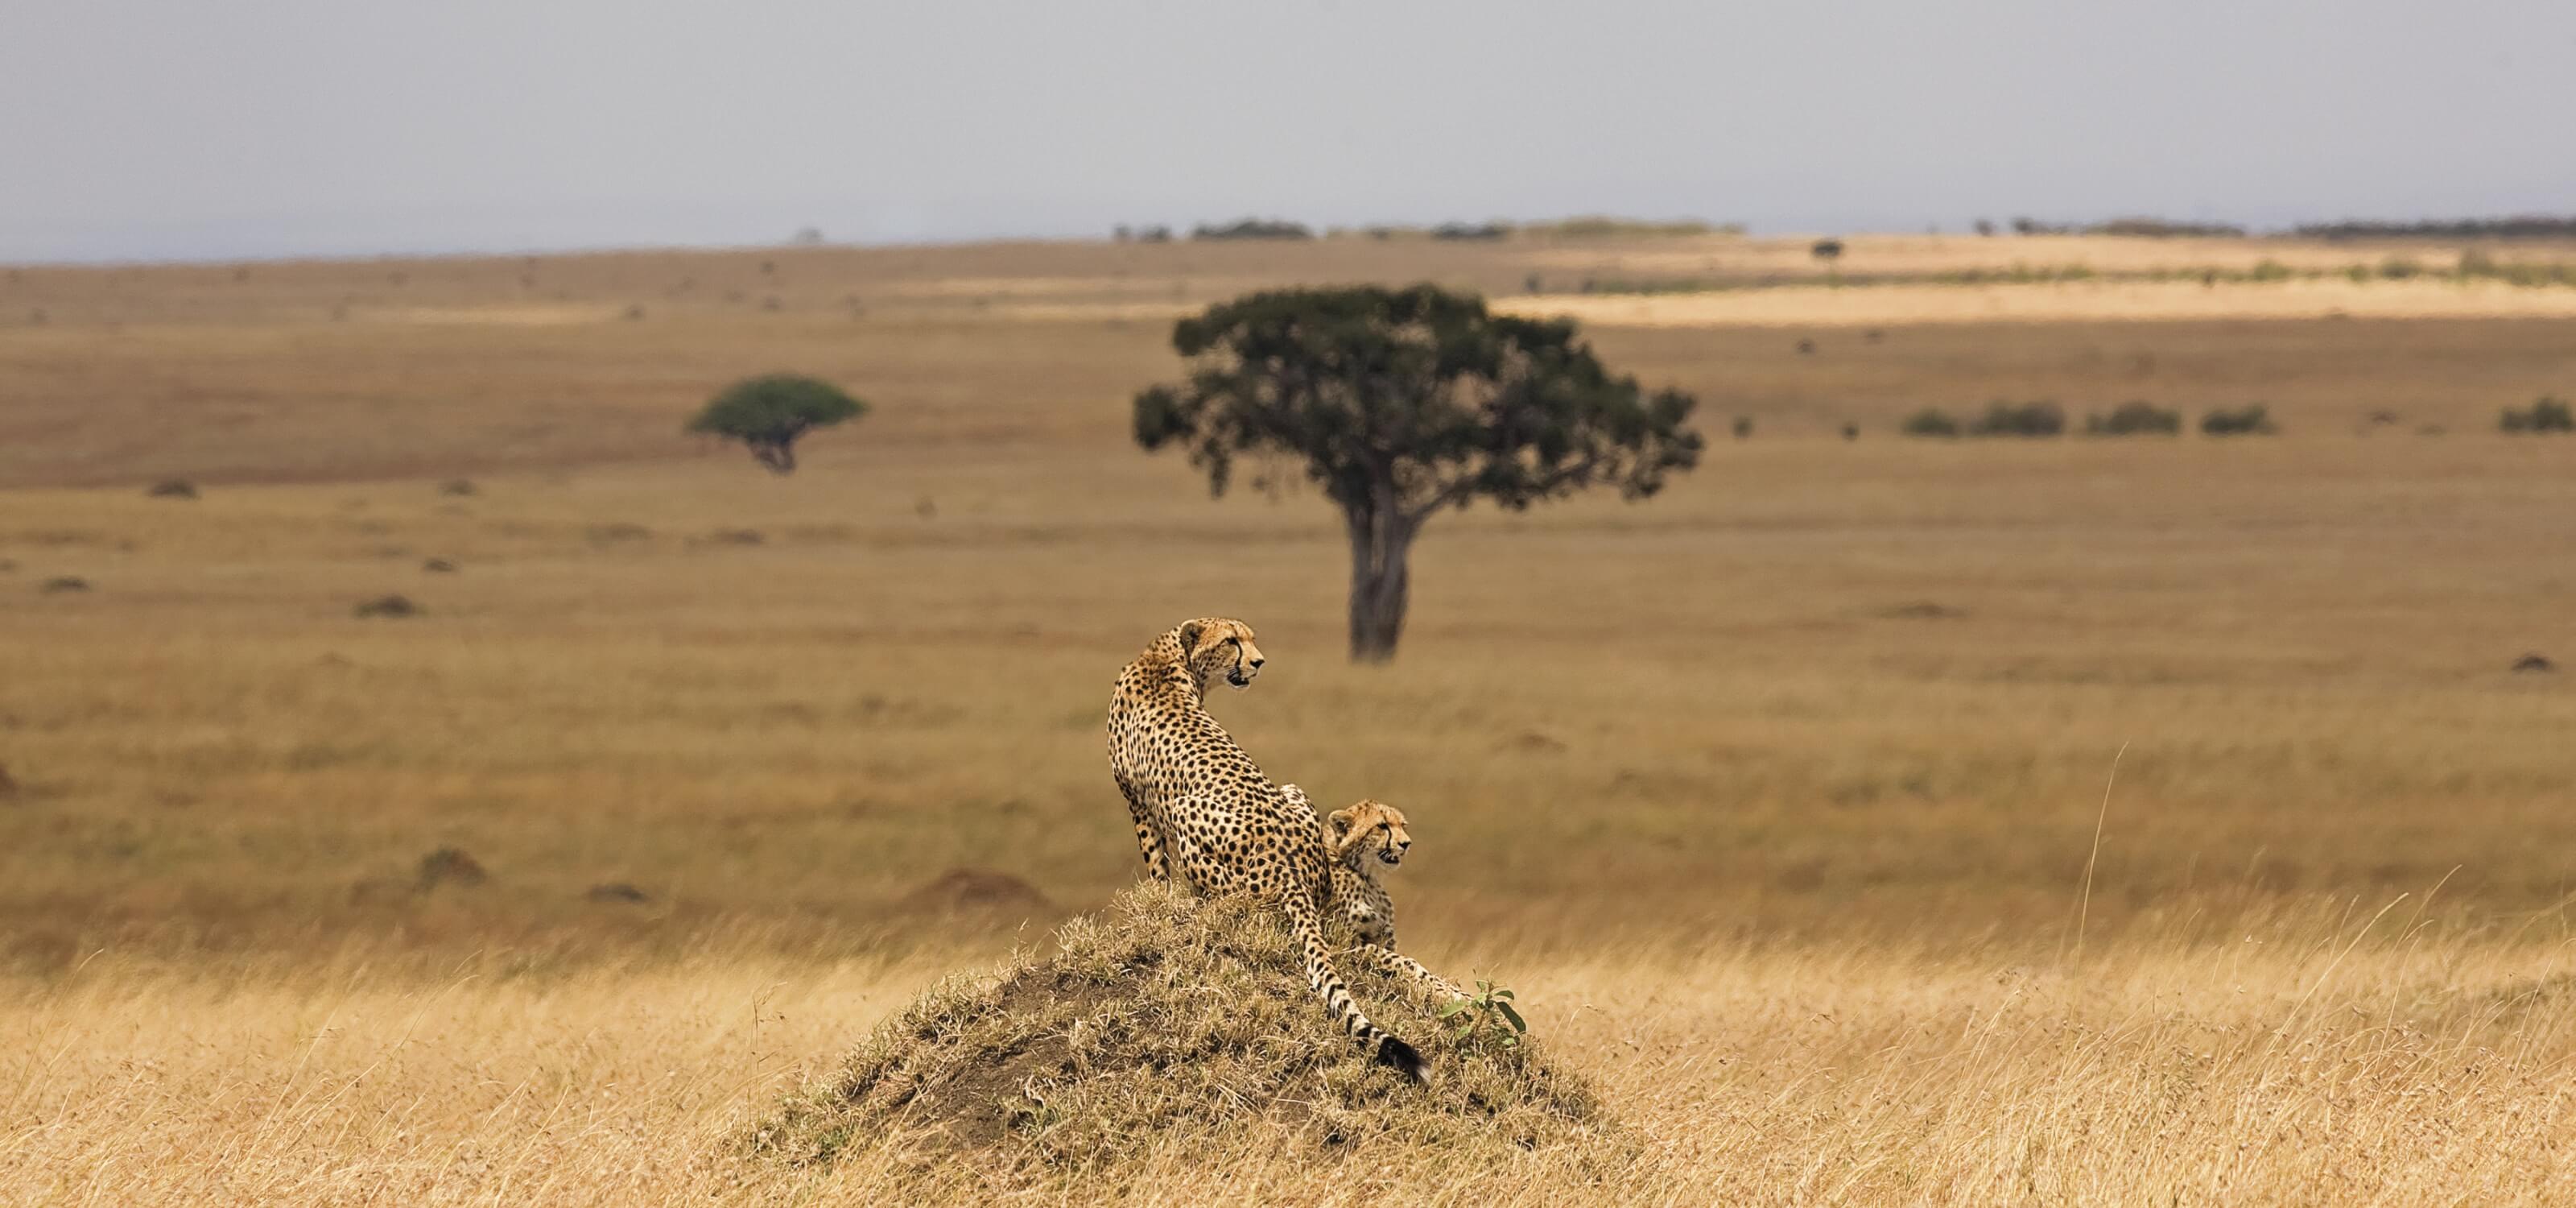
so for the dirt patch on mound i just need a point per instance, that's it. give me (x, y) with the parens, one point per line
(1163, 1023)
(976, 891)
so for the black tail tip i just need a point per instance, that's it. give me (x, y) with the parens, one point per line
(1406, 1060)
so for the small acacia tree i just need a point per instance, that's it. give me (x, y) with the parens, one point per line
(770, 413)
(1402, 402)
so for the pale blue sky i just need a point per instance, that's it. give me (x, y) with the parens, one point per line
(182, 128)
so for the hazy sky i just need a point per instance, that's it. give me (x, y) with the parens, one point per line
(188, 128)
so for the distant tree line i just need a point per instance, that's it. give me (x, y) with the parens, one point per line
(2522, 226)
(1590, 226)
(1253, 228)
(2149, 228)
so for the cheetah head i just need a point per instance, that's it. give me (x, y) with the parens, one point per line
(1383, 824)
(1220, 646)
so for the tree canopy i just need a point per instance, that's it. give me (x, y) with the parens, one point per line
(1402, 402)
(770, 413)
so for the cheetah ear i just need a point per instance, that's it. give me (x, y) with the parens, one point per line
(1190, 634)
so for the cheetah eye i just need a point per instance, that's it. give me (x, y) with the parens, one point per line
(1234, 641)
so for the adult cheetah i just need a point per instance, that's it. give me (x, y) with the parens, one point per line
(1205, 811)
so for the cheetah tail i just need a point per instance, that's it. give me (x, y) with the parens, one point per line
(1388, 1048)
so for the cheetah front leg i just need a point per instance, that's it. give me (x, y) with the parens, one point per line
(1149, 837)
(1392, 962)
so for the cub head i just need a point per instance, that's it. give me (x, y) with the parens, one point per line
(1220, 647)
(1378, 825)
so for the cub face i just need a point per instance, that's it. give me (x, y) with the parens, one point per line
(1379, 825)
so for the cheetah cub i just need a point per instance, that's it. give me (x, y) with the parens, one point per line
(1357, 840)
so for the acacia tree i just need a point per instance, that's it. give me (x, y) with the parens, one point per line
(770, 413)
(1402, 402)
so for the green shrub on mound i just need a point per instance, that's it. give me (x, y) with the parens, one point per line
(1165, 1021)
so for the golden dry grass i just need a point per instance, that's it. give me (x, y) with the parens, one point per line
(2311, 1059)
(1773, 797)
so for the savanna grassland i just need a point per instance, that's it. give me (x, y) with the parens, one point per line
(1776, 798)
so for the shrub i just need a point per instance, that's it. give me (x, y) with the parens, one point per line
(1744, 427)
(2023, 419)
(2543, 415)
(173, 488)
(2399, 268)
(387, 606)
(2251, 420)
(450, 866)
(1930, 421)
(2135, 418)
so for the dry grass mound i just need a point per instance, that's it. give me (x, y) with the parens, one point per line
(1163, 1022)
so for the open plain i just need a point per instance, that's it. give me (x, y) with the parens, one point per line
(1876, 820)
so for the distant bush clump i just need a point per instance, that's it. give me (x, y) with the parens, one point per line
(2251, 420)
(1253, 228)
(387, 606)
(2476, 264)
(173, 488)
(2136, 418)
(2543, 415)
(1930, 421)
(1480, 230)
(2019, 419)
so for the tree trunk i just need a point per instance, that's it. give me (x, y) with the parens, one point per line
(1380, 540)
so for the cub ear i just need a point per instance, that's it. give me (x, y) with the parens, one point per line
(1191, 631)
